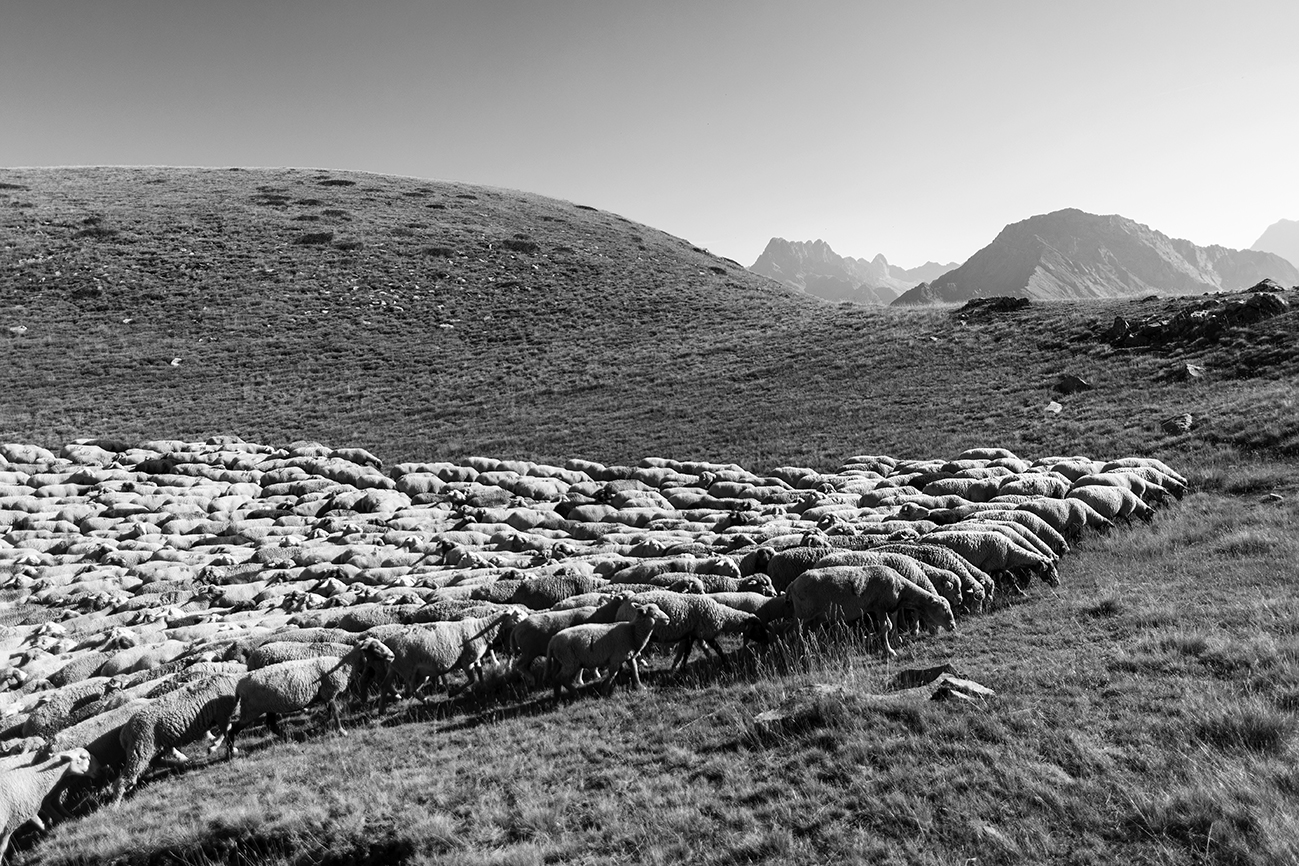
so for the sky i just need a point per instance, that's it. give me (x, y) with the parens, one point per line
(912, 128)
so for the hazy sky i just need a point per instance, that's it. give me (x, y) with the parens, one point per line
(916, 129)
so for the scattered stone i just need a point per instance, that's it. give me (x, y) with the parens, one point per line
(999, 304)
(18, 330)
(1177, 424)
(1069, 384)
(1053, 408)
(175, 362)
(913, 677)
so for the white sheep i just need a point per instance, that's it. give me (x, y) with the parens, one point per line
(602, 645)
(529, 639)
(435, 649)
(693, 618)
(295, 685)
(23, 789)
(171, 721)
(848, 593)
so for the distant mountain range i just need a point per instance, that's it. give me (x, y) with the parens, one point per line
(1282, 238)
(812, 267)
(1071, 255)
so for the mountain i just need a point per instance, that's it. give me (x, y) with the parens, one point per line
(1070, 255)
(814, 268)
(1281, 238)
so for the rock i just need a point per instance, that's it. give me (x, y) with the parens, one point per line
(999, 304)
(964, 687)
(1177, 424)
(1053, 408)
(913, 677)
(1119, 329)
(1189, 371)
(1069, 384)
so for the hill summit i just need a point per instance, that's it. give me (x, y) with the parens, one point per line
(1281, 238)
(814, 268)
(1071, 255)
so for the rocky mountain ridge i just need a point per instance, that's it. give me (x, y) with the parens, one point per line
(1281, 238)
(1073, 255)
(814, 268)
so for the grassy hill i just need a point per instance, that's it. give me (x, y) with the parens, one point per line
(1145, 710)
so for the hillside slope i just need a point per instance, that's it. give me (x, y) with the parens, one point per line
(587, 345)
(1071, 255)
(1281, 238)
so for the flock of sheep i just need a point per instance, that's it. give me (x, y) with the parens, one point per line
(168, 593)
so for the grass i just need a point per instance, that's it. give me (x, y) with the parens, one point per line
(1144, 711)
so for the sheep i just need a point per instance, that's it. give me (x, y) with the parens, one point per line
(1112, 502)
(1013, 530)
(1069, 517)
(1054, 542)
(759, 583)
(540, 593)
(766, 608)
(98, 734)
(529, 639)
(171, 721)
(693, 618)
(295, 685)
(54, 710)
(931, 579)
(848, 593)
(977, 586)
(602, 645)
(1147, 491)
(1139, 462)
(436, 649)
(24, 789)
(642, 572)
(282, 651)
(785, 565)
(993, 552)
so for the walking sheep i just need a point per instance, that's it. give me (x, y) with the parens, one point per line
(295, 685)
(599, 645)
(530, 638)
(848, 593)
(23, 789)
(421, 652)
(693, 618)
(171, 721)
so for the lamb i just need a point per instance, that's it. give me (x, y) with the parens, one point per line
(993, 552)
(601, 645)
(436, 649)
(849, 592)
(693, 618)
(295, 685)
(24, 789)
(171, 721)
(1113, 503)
(529, 639)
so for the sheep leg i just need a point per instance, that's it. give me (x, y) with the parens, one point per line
(882, 628)
(635, 674)
(273, 722)
(683, 653)
(712, 643)
(4, 844)
(606, 685)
